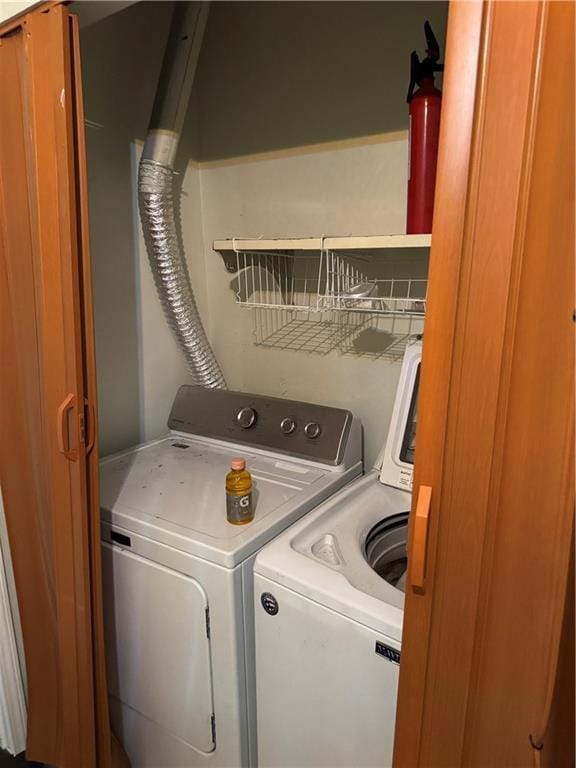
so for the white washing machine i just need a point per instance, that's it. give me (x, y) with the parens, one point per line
(178, 587)
(329, 608)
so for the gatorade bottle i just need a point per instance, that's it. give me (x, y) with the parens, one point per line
(239, 508)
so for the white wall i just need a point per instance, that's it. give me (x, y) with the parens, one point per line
(12, 662)
(297, 126)
(138, 363)
(303, 130)
(10, 8)
(337, 191)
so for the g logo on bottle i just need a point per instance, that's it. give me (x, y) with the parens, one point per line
(245, 501)
(269, 603)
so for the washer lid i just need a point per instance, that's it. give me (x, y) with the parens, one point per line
(396, 460)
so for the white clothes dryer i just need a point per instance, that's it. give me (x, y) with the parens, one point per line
(178, 589)
(329, 607)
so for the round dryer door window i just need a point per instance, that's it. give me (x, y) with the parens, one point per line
(385, 549)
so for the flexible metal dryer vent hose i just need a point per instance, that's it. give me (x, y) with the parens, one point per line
(156, 193)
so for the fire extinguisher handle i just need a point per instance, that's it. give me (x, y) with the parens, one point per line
(433, 49)
(421, 70)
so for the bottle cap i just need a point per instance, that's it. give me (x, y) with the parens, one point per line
(239, 464)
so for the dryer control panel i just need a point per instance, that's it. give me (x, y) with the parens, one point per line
(302, 430)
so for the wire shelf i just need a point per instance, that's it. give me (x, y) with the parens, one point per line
(317, 333)
(345, 285)
(382, 336)
(327, 281)
(346, 333)
(277, 280)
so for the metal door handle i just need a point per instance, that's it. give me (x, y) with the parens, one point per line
(62, 428)
(420, 539)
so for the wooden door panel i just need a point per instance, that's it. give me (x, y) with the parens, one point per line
(480, 330)
(496, 443)
(532, 493)
(26, 490)
(45, 325)
(52, 182)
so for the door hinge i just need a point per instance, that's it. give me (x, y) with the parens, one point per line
(208, 623)
(213, 727)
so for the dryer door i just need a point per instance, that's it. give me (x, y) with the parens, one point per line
(157, 645)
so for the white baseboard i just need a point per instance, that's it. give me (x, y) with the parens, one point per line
(12, 696)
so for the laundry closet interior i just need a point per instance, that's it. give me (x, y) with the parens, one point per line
(286, 203)
(297, 127)
(291, 205)
(219, 279)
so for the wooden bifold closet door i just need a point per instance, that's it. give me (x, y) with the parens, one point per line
(487, 672)
(48, 455)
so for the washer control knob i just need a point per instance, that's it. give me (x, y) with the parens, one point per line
(312, 430)
(288, 425)
(246, 417)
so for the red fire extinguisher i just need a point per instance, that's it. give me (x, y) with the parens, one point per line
(424, 130)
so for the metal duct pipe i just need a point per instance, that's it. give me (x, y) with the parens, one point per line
(156, 192)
